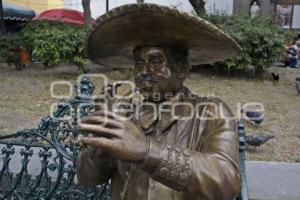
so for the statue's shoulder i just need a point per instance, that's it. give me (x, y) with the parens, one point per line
(195, 98)
(211, 103)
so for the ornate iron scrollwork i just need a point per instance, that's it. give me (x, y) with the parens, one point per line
(40, 163)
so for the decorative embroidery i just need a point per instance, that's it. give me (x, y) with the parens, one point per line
(176, 165)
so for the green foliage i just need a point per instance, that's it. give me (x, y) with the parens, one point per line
(55, 43)
(261, 40)
(9, 46)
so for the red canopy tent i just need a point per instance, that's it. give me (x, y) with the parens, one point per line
(62, 15)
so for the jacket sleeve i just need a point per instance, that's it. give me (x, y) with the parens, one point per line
(211, 171)
(93, 166)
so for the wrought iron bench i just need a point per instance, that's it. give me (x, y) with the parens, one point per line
(40, 163)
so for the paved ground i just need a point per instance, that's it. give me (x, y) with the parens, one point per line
(273, 180)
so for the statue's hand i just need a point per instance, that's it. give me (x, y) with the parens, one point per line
(120, 137)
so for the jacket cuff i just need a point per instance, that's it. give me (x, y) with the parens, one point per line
(168, 164)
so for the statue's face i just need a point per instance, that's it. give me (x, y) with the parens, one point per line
(154, 74)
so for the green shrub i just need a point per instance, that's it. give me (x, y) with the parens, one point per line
(261, 40)
(55, 43)
(9, 45)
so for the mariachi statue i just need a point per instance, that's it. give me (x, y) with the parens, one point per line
(187, 148)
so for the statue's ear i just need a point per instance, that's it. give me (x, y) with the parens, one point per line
(183, 70)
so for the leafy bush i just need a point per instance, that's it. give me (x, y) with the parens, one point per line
(260, 38)
(55, 43)
(9, 46)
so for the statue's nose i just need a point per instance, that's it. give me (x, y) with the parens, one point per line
(145, 70)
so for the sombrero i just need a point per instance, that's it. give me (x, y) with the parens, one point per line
(111, 40)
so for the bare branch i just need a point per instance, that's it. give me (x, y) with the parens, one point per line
(87, 12)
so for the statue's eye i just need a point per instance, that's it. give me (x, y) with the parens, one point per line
(139, 63)
(155, 63)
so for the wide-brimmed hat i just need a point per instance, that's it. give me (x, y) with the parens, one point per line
(111, 40)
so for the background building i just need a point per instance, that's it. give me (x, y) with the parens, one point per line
(267, 7)
(38, 5)
(286, 12)
(98, 7)
(215, 6)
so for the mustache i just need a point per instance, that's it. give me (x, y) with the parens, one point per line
(146, 78)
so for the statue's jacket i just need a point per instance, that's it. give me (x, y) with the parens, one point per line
(193, 154)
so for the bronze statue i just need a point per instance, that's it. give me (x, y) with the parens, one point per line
(188, 147)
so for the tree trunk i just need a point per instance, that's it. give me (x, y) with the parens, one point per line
(199, 6)
(2, 21)
(87, 12)
(140, 1)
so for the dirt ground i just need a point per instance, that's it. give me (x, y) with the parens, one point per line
(25, 97)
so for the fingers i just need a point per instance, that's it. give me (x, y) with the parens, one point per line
(107, 114)
(98, 142)
(98, 130)
(101, 120)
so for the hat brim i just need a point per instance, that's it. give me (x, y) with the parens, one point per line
(114, 36)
